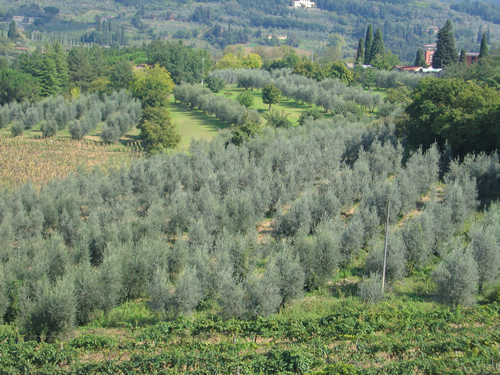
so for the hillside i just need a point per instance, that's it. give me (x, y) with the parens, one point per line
(406, 25)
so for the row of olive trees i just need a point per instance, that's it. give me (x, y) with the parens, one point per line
(181, 230)
(224, 109)
(331, 94)
(119, 112)
(384, 79)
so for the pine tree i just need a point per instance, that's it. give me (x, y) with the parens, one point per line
(420, 58)
(483, 51)
(463, 56)
(446, 52)
(378, 47)
(61, 61)
(368, 44)
(48, 75)
(360, 55)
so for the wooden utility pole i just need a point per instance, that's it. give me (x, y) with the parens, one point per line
(385, 244)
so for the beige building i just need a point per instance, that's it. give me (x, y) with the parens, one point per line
(304, 4)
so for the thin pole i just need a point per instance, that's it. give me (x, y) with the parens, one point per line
(385, 243)
(202, 69)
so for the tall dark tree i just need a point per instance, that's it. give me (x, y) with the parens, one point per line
(12, 34)
(98, 22)
(420, 58)
(446, 52)
(488, 35)
(360, 55)
(463, 56)
(483, 51)
(378, 47)
(368, 44)
(479, 34)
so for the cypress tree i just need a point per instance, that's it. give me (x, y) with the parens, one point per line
(479, 34)
(378, 47)
(98, 23)
(360, 55)
(463, 56)
(12, 34)
(483, 51)
(368, 44)
(420, 58)
(446, 52)
(488, 35)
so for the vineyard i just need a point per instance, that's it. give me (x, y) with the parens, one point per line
(351, 339)
(24, 159)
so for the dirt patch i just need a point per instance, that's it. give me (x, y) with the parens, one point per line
(265, 229)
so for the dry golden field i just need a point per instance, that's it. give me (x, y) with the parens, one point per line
(26, 158)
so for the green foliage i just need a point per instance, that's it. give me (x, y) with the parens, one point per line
(456, 277)
(378, 47)
(271, 95)
(157, 130)
(368, 44)
(17, 128)
(420, 58)
(315, 113)
(360, 54)
(483, 51)
(16, 86)
(51, 311)
(49, 128)
(446, 53)
(152, 86)
(278, 120)
(463, 57)
(370, 290)
(452, 110)
(13, 33)
(216, 84)
(183, 63)
(246, 99)
(244, 132)
(89, 341)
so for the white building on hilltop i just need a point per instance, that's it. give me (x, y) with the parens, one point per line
(304, 4)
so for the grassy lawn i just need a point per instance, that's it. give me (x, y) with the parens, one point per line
(193, 123)
(293, 108)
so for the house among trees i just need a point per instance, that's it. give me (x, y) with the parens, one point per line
(471, 57)
(303, 4)
(430, 49)
(22, 19)
(408, 69)
(418, 69)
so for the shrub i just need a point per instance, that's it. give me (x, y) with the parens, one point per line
(315, 113)
(278, 120)
(246, 99)
(17, 128)
(457, 278)
(49, 128)
(51, 311)
(370, 289)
